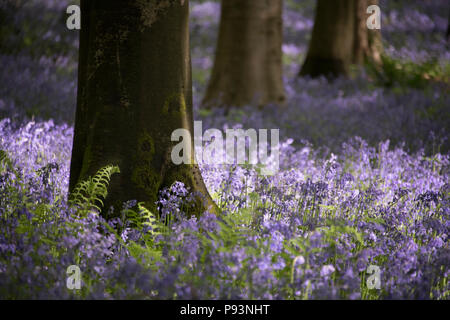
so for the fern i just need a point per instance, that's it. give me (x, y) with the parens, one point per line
(144, 219)
(145, 252)
(88, 194)
(150, 220)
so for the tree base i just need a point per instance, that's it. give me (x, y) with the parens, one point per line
(330, 68)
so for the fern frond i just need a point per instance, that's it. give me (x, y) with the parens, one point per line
(149, 219)
(88, 194)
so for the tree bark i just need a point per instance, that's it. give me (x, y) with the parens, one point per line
(340, 38)
(248, 61)
(367, 43)
(134, 90)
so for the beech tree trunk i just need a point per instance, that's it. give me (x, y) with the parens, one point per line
(248, 61)
(134, 90)
(340, 38)
(367, 43)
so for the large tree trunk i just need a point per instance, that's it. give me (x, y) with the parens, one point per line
(134, 90)
(248, 62)
(340, 38)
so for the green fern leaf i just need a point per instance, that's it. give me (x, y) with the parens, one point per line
(88, 195)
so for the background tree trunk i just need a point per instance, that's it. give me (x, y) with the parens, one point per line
(248, 61)
(134, 90)
(367, 43)
(331, 46)
(340, 38)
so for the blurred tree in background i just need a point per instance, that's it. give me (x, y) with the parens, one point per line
(248, 60)
(340, 38)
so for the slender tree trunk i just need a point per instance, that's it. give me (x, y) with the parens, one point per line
(340, 38)
(367, 43)
(248, 62)
(134, 90)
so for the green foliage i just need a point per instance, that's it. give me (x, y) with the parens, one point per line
(5, 162)
(393, 72)
(143, 219)
(144, 251)
(87, 197)
(20, 204)
(88, 194)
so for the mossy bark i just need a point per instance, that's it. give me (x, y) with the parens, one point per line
(340, 37)
(248, 61)
(134, 90)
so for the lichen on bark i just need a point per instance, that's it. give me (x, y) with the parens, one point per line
(152, 9)
(175, 105)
